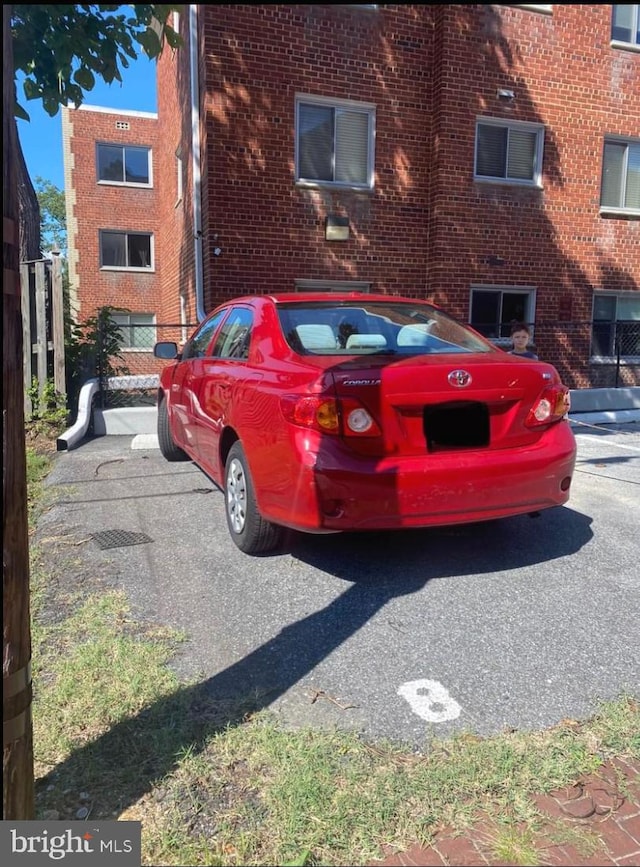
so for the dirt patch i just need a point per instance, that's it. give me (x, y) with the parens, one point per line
(42, 441)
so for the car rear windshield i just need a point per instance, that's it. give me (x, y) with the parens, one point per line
(374, 327)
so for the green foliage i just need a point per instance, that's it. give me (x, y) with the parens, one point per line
(49, 412)
(53, 215)
(93, 348)
(61, 49)
(39, 466)
(301, 860)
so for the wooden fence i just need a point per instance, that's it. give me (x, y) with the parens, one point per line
(42, 326)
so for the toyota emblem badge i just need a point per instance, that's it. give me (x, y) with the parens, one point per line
(459, 378)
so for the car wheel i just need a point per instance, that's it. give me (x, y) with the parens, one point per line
(248, 529)
(168, 448)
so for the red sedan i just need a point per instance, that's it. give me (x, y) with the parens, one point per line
(328, 412)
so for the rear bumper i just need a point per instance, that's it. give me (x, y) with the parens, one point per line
(337, 491)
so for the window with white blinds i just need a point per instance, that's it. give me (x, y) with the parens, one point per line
(334, 142)
(509, 152)
(620, 189)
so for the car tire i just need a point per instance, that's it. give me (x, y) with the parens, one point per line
(248, 529)
(168, 448)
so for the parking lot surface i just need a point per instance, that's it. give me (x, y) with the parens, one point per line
(517, 623)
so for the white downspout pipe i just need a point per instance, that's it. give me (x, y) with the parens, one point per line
(76, 433)
(195, 149)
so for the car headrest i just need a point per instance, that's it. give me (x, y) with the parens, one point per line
(414, 335)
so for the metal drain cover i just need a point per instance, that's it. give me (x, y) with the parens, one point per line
(119, 538)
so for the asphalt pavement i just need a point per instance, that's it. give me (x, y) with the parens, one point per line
(517, 623)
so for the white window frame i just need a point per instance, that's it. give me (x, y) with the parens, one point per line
(505, 288)
(546, 8)
(619, 140)
(607, 359)
(526, 126)
(635, 16)
(139, 268)
(332, 286)
(337, 104)
(124, 148)
(126, 326)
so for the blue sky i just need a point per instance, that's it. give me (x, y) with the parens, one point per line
(41, 137)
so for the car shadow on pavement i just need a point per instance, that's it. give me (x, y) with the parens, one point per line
(127, 753)
(380, 568)
(440, 552)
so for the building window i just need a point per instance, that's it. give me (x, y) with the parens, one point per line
(495, 308)
(620, 189)
(509, 152)
(126, 250)
(332, 286)
(124, 164)
(534, 7)
(137, 330)
(625, 24)
(616, 325)
(334, 142)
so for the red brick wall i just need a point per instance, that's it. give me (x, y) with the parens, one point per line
(427, 229)
(270, 231)
(565, 75)
(176, 231)
(95, 206)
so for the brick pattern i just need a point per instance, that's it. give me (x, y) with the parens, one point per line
(176, 232)
(97, 206)
(603, 807)
(428, 229)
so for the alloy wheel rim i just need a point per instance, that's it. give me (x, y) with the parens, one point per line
(236, 496)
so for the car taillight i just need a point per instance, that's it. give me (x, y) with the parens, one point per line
(329, 415)
(319, 413)
(552, 405)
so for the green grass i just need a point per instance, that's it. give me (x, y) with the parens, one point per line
(38, 467)
(115, 731)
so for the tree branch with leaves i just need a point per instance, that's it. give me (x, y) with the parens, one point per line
(61, 50)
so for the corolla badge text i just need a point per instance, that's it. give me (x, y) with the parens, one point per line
(459, 378)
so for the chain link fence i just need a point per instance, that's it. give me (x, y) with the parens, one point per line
(130, 376)
(586, 354)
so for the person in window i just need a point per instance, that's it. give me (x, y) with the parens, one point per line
(520, 337)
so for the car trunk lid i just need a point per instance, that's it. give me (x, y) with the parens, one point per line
(474, 401)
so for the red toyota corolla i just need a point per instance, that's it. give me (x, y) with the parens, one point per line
(328, 412)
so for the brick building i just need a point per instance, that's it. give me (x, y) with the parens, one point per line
(485, 157)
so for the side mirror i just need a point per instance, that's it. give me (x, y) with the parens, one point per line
(166, 349)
